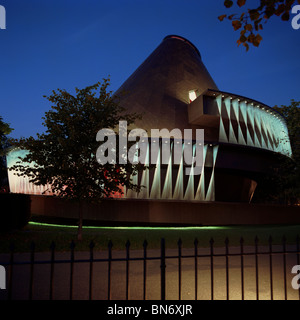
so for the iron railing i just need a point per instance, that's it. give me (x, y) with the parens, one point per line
(270, 265)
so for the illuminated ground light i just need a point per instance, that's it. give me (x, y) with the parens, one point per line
(128, 228)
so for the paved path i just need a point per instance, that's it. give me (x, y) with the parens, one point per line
(61, 276)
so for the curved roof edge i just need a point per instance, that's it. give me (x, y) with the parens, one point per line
(174, 36)
(213, 92)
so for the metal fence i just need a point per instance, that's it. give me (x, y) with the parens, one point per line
(270, 266)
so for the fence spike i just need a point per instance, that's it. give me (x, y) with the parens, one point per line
(179, 242)
(270, 239)
(72, 245)
(32, 246)
(127, 244)
(92, 244)
(12, 246)
(226, 241)
(242, 241)
(284, 239)
(110, 244)
(52, 246)
(196, 242)
(145, 244)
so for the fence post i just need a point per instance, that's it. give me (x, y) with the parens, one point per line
(256, 267)
(11, 263)
(145, 244)
(127, 269)
(32, 249)
(212, 267)
(271, 266)
(179, 268)
(110, 244)
(163, 269)
(92, 245)
(52, 248)
(196, 268)
(72, 246)
(242, 268)
(284, 266)
(227, 268)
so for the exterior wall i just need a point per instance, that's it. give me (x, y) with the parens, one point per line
(165, 181)
(160, 212)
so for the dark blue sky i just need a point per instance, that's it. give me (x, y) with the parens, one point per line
(74, 43)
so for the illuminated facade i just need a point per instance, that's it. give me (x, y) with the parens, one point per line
(173, 89)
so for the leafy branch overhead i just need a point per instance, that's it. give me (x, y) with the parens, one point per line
(251, 21)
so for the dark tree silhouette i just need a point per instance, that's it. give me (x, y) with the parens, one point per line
(65, 155)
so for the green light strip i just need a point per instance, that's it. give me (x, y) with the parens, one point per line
(128, 228)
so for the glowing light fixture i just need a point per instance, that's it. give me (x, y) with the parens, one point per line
(192, 95)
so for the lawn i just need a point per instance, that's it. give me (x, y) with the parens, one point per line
(43, 235)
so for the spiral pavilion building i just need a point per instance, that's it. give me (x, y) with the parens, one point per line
(172, 89)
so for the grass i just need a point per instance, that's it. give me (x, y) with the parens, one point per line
(44, 234)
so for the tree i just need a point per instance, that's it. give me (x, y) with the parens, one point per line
(64, 156)
(290, 172)
(251, 20)
(5, 130)
(284, 185)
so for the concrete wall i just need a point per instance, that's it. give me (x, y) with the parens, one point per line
(152, 212)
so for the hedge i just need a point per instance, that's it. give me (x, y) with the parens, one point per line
(14, 211)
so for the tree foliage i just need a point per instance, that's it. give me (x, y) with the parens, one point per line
(251, 21)
(5, 130)
(284, 186)
(64, 156)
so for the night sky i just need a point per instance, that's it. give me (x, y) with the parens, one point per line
(75, 43)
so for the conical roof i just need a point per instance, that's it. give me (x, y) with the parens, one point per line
(160, 86)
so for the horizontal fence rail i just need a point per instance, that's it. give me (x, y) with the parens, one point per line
(177, 275)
